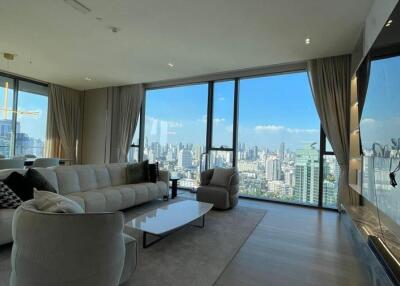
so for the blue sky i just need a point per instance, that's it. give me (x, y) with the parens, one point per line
(381, 116)
(35, 126)
(272, 110)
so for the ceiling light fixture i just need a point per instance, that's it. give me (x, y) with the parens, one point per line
(388, 23)
(307, 41)
(88, 78)
(78, 6)
(171, 65)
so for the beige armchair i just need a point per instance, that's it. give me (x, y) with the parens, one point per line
(70, 249)
(220, 187)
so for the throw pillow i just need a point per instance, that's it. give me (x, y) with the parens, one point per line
(137, 173)
(154, 172)
(55, 203)
(8, 199)
(221, 176)
(38, 181)
(20, 186)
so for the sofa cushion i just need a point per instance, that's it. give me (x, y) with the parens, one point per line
(113, 198)
(68, 180)
(102, 176)
(154, 172)
(221, 176)
(138, 172)
(141, 193)
(6, 172)
(117, 174)
(79, 200)
(8, 199)
(6, 217)
(87, 177)
(22, 187)
(163, 188)
(55, 203)
(38, 181)
(94, 201)
(128, 195)
(50, 176)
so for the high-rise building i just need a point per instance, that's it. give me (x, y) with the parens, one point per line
(273, 169)
(281, 151)
(306, 186)
(185, 159)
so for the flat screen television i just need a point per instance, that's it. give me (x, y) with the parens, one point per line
(380, 137)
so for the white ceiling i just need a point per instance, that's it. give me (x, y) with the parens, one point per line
(56, 43)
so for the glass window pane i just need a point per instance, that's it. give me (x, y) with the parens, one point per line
(175, 130)
(6, 107)
(222, 159)
(330, 181)
(136, 135)
(31, 119)
(223, 106)
(133, 154)
(279, 134)
(328, 146)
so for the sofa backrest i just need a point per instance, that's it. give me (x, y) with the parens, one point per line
(77, 178)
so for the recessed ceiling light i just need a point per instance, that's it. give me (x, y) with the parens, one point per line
(307, 41)
(88, 78)
(171, 65)
(388, 23)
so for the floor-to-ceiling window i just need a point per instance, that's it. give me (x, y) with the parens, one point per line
(31, 118)
(23, 112)
(6, 120)
(266, 126)
(133, 154)
(175, 130)
(279, 139)
(221, 145)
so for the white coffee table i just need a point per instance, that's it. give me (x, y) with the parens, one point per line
(164, 220)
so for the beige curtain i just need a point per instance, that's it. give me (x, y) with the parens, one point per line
(126, 104)
(63, 123)
(330, 81)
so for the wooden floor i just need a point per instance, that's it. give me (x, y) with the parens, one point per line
(295, 246)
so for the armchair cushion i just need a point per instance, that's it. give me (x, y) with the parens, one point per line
(222, 176)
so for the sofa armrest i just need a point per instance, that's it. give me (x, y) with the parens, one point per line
(164, 176)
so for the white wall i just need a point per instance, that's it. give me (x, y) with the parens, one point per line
(96, 131)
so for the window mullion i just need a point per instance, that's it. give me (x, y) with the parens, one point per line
(14, 119)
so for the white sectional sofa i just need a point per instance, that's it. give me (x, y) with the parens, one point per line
(97, 188)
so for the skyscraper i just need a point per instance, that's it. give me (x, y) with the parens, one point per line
(185, 159)
(306, 186)
(272, 169)
(281, 151)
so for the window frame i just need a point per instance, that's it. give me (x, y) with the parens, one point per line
(236, 77)
(16, 79)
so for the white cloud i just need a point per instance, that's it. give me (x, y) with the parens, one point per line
(367, 121)
(297, 130)
(269, 128)
(281, 128)
(219, 120)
